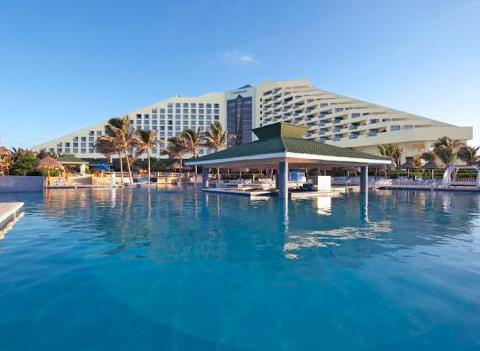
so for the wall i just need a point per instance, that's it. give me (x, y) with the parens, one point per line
(9, 184)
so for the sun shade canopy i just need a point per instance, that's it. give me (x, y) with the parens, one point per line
(285, 141)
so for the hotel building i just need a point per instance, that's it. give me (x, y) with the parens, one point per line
(168, 117)
(330, 118)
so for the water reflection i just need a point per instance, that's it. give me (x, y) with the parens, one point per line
(181, 223)
(323, 205)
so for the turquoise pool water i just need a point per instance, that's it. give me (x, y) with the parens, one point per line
(181, 270)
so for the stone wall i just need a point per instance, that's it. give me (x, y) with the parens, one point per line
(12, 184)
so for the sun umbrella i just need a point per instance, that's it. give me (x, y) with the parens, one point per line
(48, 163)
(4, 151)
(408, 166)
(4, 156)
(431, 166)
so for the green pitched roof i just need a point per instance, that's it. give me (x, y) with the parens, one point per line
(282, 138)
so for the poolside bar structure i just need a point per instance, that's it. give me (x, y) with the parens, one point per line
(281, 146)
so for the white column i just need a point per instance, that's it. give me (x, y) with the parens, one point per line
(205, 177)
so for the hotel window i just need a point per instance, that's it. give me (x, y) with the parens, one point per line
(139, 116)
(355, 115)
(99, 133)
(162, 110)
(185, 111)
(75, 144)
(177, 104)
(170, 116)
(200, 105)
(170, 110)
(170, 105)
(209, 105)
(193, 105)
(83, 151)
(177, 110)
(75, 150)
(84, 138)
(154, 110)
(394, 128)
(185, 104)
(216, 105)
(92, 132)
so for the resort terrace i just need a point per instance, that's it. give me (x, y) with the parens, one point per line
(281, 147)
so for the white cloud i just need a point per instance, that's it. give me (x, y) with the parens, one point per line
(238, 57)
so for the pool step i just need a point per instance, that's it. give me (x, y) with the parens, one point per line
(10, 212)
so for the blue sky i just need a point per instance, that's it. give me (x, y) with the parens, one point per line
(67, 64)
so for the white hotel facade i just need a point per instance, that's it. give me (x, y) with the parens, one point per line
(329, 117)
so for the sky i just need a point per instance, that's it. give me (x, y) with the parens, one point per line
(65, 65)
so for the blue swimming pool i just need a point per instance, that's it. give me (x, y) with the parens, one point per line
(147, 269)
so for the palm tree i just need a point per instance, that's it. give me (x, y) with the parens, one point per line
(392, 151)
(123, 137)
(175, 149)
(215, 139)
(446, 150)
(429, 156)
(107, 145)
(193, 143)
(146, 141)
(469, 154)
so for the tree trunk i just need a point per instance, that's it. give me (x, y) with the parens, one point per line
(128, 167)
(149, 175)
(120, 158)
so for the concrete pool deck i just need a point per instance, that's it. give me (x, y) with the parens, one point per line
(10, 212)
